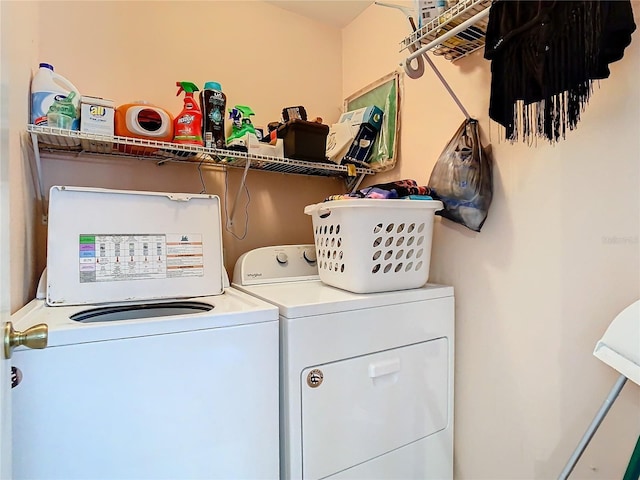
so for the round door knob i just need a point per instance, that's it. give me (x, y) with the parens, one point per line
(282, 258)
(309, 256)
(33, 337)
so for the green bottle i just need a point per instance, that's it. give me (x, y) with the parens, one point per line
(62, 112)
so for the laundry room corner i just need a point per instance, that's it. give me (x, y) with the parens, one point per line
(556, 260)
(122, 69)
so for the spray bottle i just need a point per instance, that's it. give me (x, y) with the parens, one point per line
(241, 128)
(187, 126)
(62, 112)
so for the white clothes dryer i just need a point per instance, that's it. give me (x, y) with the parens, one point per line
(366, 379)
(153, 369)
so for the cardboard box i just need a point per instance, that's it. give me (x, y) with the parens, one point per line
(256, 147)
(365, 123)
(339, 140)
(96, 115)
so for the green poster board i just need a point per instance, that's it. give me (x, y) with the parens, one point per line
(385, 94)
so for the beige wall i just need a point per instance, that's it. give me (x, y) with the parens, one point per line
(19, 45)
(556, 260)
(263, 56)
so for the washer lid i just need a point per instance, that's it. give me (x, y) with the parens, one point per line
(231, 309)
(116, 246)
(307, 298)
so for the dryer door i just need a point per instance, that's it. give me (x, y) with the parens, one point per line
(356, 409)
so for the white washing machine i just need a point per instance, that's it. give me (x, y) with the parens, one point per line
(153, 369)
(366, 379)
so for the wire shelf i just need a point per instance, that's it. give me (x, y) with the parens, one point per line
(72, 142)
(459, 45)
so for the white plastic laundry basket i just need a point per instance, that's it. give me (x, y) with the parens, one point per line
(373, 245)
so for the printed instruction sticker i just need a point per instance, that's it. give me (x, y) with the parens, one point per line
(115, 257)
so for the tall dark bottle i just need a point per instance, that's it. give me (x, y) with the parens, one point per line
(213, 103)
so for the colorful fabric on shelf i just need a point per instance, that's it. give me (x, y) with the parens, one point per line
(398, 189)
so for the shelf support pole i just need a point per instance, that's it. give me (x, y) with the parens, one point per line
(447, 86)
(240, 188)
(591, 430)
(38, 165)
(352, 183)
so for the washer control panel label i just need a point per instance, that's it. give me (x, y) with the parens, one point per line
(115, 257)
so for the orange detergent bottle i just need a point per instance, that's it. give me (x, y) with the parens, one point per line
(187, 126)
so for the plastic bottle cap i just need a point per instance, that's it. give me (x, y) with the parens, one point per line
(212, 86)
(46, 65)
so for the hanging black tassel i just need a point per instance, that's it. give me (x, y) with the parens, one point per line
(545, 56)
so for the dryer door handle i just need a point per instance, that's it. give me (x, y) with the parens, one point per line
(386, 367)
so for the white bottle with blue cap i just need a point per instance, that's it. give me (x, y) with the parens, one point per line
(47, 87)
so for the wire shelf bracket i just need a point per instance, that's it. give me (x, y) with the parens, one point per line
(454, 34)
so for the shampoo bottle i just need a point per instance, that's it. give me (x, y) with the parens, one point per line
(213, 103)
(187, 126)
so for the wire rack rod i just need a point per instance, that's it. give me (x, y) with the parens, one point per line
(75, 143)
(57, 141)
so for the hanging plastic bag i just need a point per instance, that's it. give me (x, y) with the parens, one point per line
(462, 178)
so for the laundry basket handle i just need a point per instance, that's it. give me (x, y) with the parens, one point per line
(317, 209)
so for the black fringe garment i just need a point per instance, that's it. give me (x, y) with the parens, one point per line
(544, 57)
